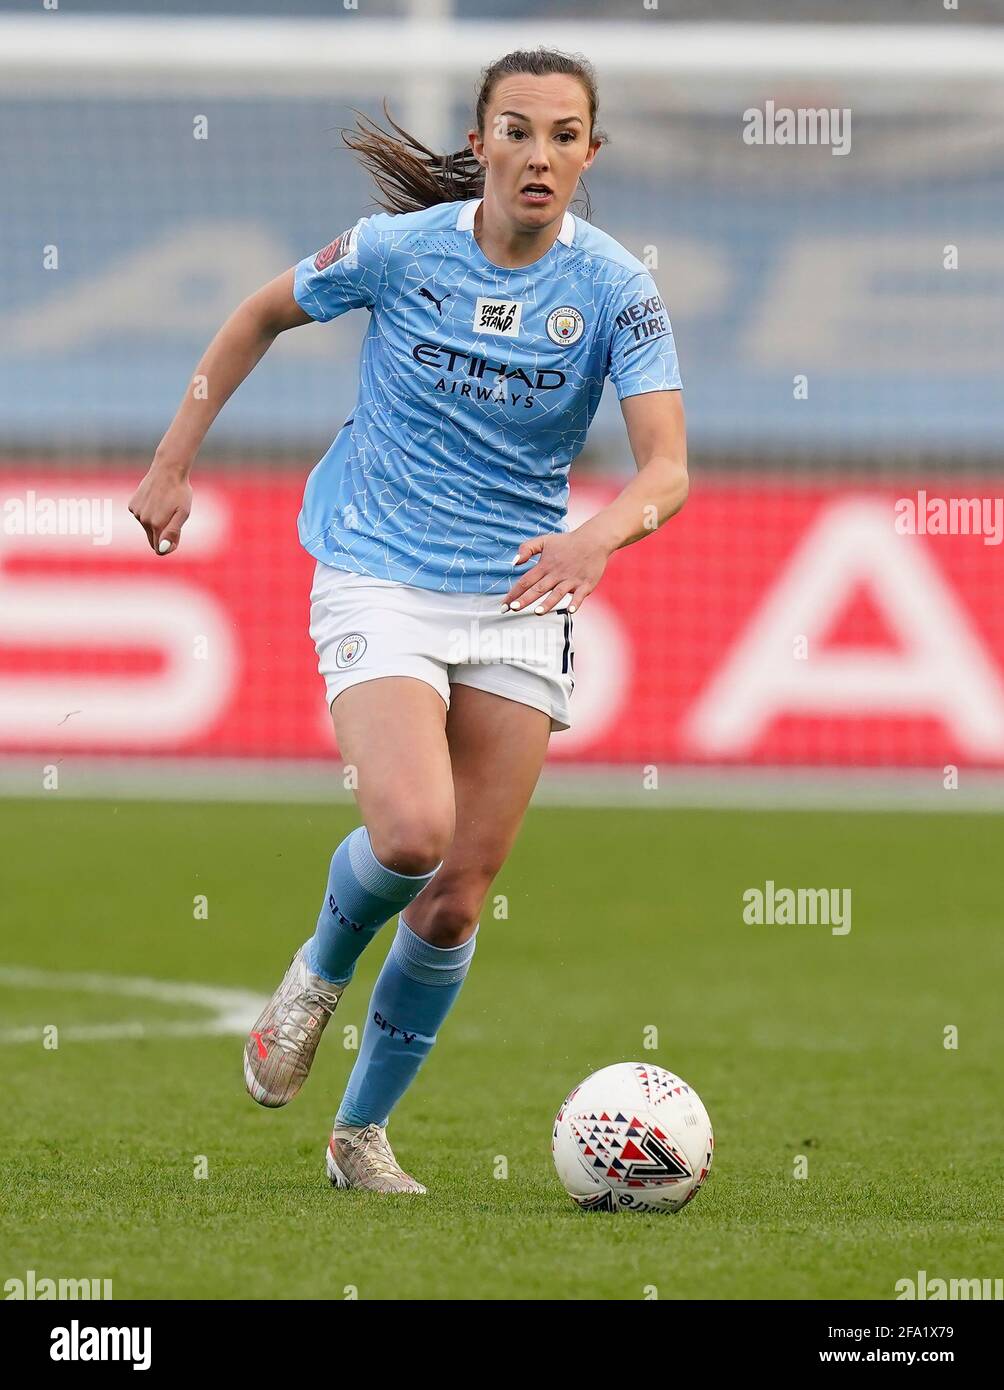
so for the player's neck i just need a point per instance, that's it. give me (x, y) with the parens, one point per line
(512, 249)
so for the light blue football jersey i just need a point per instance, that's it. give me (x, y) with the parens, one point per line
(477, 387)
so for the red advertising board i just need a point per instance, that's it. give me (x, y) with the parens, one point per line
(772, 622)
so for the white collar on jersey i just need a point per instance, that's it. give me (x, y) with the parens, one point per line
(465, 221)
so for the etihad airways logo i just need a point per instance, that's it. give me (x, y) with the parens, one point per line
(467, 374)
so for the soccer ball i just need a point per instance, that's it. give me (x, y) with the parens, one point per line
(632, 1137)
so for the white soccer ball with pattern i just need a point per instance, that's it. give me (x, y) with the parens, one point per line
(632, 1137)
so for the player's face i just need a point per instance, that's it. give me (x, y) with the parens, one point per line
(536, 133)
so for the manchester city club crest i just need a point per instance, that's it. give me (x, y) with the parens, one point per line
(349, 650)
(565, 325)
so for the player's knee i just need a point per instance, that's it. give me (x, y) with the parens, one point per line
(451, 913)
(412, 845)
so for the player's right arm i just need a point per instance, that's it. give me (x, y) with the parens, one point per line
(163, 500)
(345, 274)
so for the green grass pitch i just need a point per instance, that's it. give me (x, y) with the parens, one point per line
(800, 1042)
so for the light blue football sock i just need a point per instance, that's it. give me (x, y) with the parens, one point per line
(412, 996)
(361, 896)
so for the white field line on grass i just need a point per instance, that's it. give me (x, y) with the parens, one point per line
(319, 781)
(230, 1011)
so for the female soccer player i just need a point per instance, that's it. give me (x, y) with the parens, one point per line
(495, 316)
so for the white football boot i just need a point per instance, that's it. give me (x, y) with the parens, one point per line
(362, 1157)
(281, 1045)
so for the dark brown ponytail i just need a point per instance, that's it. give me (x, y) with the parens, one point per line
(411, 177)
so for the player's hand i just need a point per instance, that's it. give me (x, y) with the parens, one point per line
(162, 504)
(571, 562)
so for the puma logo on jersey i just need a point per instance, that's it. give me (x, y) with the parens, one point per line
(497, 316)
(438, 302)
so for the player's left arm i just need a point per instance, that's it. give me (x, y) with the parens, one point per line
(573, 562)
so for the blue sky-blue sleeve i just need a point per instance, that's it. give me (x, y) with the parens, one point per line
(343, 275)
(642, 349)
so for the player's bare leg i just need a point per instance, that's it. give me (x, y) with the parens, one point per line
(393, 733)
(497, 749)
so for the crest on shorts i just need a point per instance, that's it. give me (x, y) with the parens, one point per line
(565, 325)
(349, 650)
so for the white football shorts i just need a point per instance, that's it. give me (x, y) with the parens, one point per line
(365, 628)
